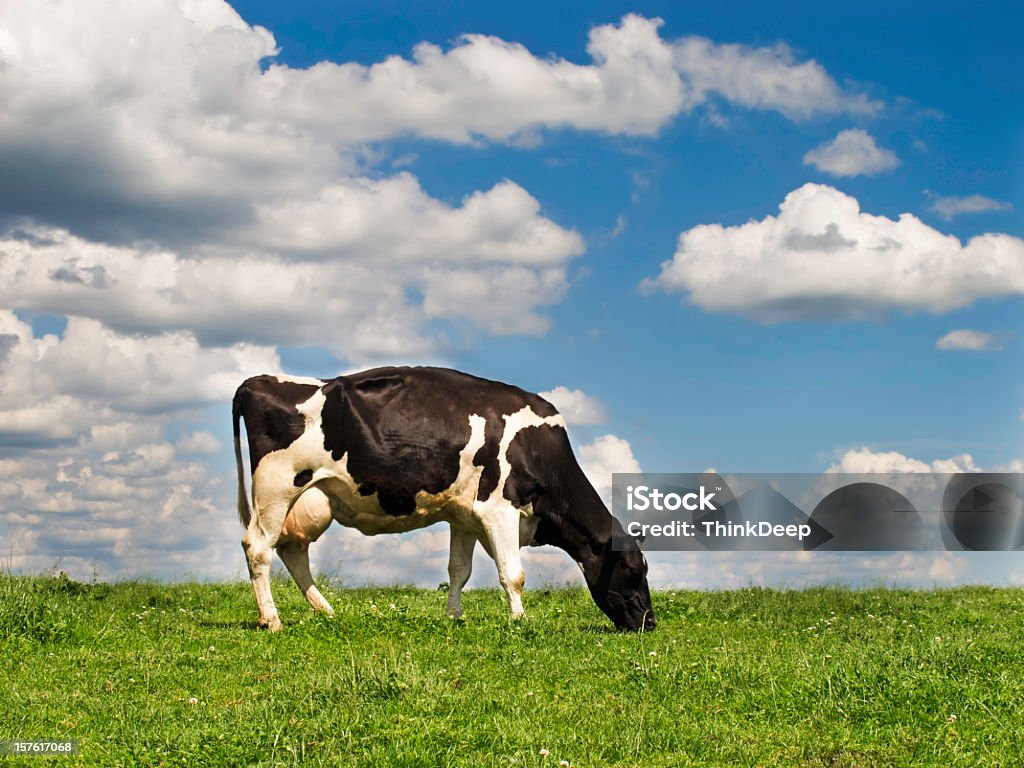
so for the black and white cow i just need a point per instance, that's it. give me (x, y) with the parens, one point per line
(394, 449)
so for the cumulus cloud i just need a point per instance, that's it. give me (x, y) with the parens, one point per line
(59, 389)
(199, 442)
(765, 78)
(263, 299)
(603, 457)
(578, 408)
(117, 118)
(866, 461)
(951, 207)
(852, 152)
(974, 341)
(89, 476)
(824, 258)
(171, 124)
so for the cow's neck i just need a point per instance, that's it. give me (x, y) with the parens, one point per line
(578, 523)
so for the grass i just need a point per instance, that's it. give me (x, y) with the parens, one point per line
(153, 674)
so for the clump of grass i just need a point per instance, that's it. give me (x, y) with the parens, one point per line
(41, 610)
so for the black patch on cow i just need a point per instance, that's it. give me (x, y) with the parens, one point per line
(487, 457)
(403, 429)
(530, 456)
(302, 478)
(268, 407)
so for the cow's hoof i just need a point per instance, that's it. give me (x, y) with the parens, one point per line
(273, 624)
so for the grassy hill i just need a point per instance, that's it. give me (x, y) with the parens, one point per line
(153, 674)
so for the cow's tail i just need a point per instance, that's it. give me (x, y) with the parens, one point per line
(244, 510)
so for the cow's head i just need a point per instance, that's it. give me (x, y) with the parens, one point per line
(617, 578)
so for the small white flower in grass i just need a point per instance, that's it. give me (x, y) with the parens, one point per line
(938, 639)
(952, 718)
(653, 653)
(564, 762)
(544, 752)
(193, 700)
(211, 649)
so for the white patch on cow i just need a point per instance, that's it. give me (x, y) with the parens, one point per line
(514, 424)
(502, 523)
(312, 409)
(285, 378)
(364, 512)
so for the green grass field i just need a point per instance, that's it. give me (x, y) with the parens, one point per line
(152, 674)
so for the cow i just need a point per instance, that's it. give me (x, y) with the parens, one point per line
(395, 449)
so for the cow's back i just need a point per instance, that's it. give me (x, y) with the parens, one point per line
(405, 430)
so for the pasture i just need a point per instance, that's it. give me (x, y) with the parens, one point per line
(153, 674)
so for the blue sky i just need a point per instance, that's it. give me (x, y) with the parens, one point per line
(190, 201)
(952, 86)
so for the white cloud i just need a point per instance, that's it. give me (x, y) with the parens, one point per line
(89, 477)
(487, 87)
(170, 124)
(83, 385)
(621, 224)
(974, 341)
(865, 461)
(578, 408)
(117, 119)
(381, 303)
(765, 78)
(822, 257)
(199, 442)
(604, 456)
(852, 152)
(951, 207)
(394, 221)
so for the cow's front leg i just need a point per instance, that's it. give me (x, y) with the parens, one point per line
(460, 566)
(501, 528)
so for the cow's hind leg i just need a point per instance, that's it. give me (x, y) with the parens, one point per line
(308, 518)
(258, 547)
(460, 566)
(501, 531)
